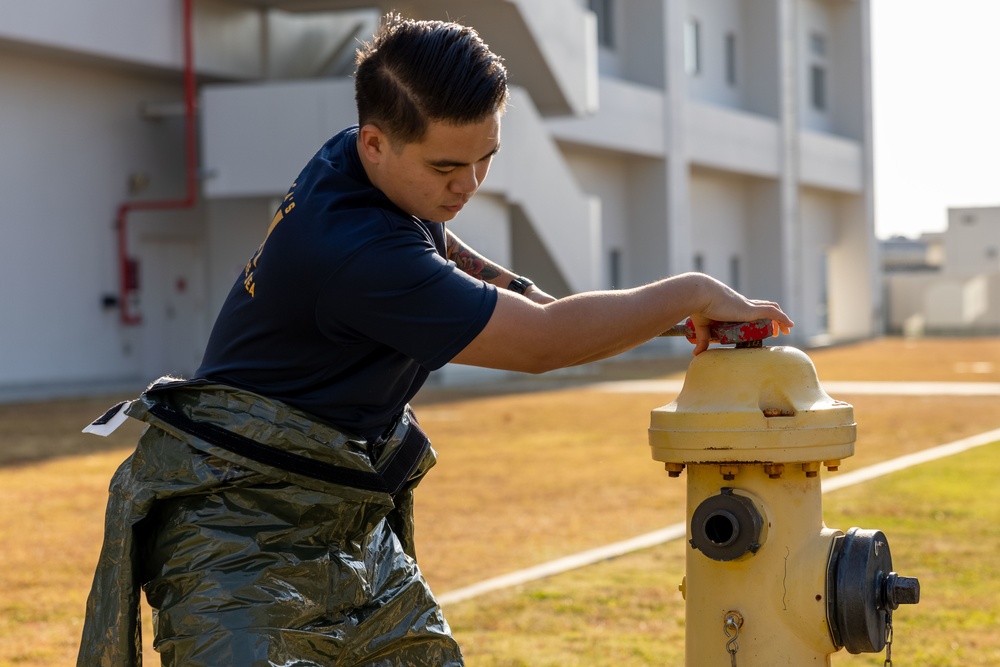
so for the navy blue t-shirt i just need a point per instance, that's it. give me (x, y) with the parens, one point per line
(349, 302)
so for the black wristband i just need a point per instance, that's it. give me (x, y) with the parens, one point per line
(520, 285)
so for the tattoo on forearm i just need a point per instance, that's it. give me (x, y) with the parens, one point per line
(472, 262)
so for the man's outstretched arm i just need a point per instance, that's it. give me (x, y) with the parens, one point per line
(538, 337)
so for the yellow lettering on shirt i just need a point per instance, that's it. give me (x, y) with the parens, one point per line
(249, 282)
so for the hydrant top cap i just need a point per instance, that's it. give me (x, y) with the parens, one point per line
(767, 400)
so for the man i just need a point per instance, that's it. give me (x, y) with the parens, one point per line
(267, 512)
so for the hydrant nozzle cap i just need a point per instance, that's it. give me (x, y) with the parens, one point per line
(753, 405)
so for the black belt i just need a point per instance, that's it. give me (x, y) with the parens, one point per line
(389, 477)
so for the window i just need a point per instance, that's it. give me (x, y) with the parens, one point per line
(692, 47)
(604, 11)
(817, 71)
(817, 44)
(615, 268)
(817, 87)
(731, 58)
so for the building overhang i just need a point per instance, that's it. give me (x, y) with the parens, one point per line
(550, 48)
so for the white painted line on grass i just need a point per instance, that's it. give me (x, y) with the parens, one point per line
(560, 565)
(679, 530)
(909, 460)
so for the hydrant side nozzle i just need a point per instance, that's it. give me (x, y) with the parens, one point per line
(727, 526)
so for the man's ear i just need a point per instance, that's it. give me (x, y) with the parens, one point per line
(373, 143)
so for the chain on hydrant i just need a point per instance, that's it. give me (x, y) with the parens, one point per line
(732, 629)
(888, 640)
(752, 428)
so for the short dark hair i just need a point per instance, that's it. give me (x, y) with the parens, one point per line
(414, 72)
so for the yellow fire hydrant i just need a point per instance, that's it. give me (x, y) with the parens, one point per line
(767, 583)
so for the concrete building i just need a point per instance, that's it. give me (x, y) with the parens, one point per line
(645, 138)
(902, 254)
(957, 291)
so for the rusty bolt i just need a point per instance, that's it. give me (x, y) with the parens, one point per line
(728, 472)
(674, 469)
(832, 466)
(774, 470)
(811, 469)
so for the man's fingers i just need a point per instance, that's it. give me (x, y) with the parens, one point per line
(703, 336)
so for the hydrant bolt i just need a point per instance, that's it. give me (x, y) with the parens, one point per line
(774, 470)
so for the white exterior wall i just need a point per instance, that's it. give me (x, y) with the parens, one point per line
(854, 292)
(932, 303)
(268, 164)
(236, 229)
(960, 304)
(904, 297)
(719, 224)
(621, 153)
(963, 297)
(819, 213)
(972, 241)
(716, 19)
(605, 176)
(486, 224)
(72, 137)
(764, 206)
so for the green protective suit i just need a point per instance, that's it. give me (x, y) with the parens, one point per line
(263, 537)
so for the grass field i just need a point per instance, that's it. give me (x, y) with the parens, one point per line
(527, 477)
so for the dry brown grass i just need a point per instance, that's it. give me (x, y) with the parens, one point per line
(522, 478)
(912, 360)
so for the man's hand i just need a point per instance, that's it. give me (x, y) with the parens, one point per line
(726, 305)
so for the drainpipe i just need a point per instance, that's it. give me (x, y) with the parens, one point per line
(128, 279)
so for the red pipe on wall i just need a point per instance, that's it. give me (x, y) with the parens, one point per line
(128, 268)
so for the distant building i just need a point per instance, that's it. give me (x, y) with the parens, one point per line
(644, 139)
(903, 254)
(946, 283)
